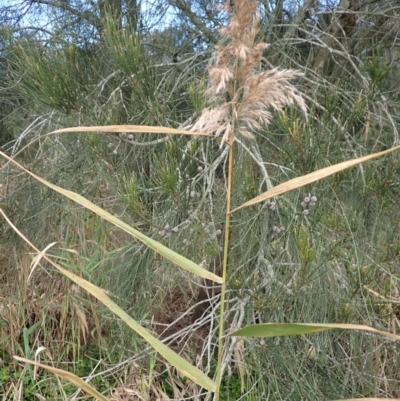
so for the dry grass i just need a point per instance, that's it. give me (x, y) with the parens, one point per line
(36, 297)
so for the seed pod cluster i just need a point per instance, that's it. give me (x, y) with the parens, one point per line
(308, 203)
(278, 230)
(271, 205)
(167, 231)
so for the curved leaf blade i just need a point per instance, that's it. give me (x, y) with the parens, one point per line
(299, 182)
(161, 249)
(138, 129)
(73, 379)
(185, 367)
(192, 372)
(292, 329)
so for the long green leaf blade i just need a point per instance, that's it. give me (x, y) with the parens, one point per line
(171, 356)
(370, 399)
(164, 251)
(292, 329)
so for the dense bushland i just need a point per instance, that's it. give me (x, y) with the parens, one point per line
(328, 252)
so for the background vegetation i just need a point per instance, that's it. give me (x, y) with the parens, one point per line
(295, 259)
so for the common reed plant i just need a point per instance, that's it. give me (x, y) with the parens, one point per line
(242, 99)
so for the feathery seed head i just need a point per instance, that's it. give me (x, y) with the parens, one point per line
(241, 96)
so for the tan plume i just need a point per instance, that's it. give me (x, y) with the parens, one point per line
(241, 96)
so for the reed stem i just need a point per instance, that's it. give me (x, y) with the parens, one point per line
(221, 341)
